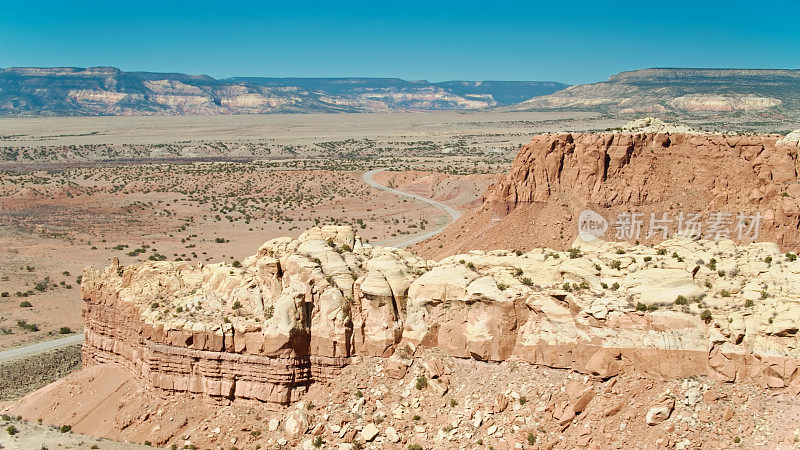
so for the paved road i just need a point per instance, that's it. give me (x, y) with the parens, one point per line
(409, 240)
(40, 347)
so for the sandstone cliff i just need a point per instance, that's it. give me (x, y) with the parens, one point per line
(64, 91)
(556, 176)
(680, 91)
(300, 310)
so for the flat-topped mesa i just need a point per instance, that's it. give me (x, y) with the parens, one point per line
(298, 310)
(557, 176)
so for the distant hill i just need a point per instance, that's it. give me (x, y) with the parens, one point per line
(66, 91)
(680, 91)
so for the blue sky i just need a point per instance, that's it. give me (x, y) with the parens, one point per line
(573, 42)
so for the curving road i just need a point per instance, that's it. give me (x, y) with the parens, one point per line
(40, 347)
(406, 241)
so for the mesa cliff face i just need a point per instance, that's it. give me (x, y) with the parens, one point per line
(681, 92)
(556, 176)
(300, 310)
(65, 91)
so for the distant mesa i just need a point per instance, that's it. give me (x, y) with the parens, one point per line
(679, 91)
(65, 91)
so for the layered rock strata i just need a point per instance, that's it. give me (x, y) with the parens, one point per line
(300, 309)
(557, 176)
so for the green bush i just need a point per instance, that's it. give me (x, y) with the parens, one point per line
(422, 382)
(681, 300)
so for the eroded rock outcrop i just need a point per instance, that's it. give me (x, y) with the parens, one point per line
(300, 309)
(675, 170)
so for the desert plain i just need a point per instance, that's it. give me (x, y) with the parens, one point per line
(196, 191)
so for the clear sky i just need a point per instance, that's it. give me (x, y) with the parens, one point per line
(573, 42)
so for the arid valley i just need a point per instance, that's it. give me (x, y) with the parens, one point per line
(134, 193)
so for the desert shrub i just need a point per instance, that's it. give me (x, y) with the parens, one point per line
(724, 293)
(25, 304)
(616, 264)
(236, 305)
(641, 307)
(615, 286)
(527, 281)
(30, 327)
(791, 256)
(42, 285)
(422, 382)
(706, 315)
(749, 303)
(574, 253)
(502, 286)
(681, 300)
(64, 330)
(11, 430)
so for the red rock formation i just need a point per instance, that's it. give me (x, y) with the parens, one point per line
(556, 176)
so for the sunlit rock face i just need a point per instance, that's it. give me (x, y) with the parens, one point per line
(300, 309)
